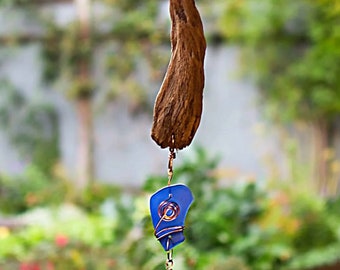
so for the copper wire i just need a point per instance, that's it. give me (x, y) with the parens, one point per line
(172, 230)
(172, 156)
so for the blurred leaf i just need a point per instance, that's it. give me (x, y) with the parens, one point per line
(291, 49)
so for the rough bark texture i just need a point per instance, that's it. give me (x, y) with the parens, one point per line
(178, 106)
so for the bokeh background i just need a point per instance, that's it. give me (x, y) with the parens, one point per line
(77, 165)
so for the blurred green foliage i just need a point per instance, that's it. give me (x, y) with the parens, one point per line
(240, 227)
(36, 188)
(32, 189)
(77, 240)
(127, 39)
(292, 49)
(132, 36)
(32, 127)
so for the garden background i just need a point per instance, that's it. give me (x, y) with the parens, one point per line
(78, 80)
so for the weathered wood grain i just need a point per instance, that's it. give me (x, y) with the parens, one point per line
(178, 106)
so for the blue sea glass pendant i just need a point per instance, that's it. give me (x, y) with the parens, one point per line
(169, 207)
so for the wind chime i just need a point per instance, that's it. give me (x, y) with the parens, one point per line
(177, 114)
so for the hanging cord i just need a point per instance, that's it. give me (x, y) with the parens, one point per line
(172, 156)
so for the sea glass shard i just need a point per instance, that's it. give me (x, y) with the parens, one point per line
(169, 207)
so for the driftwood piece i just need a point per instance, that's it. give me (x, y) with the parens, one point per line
(178, 106)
